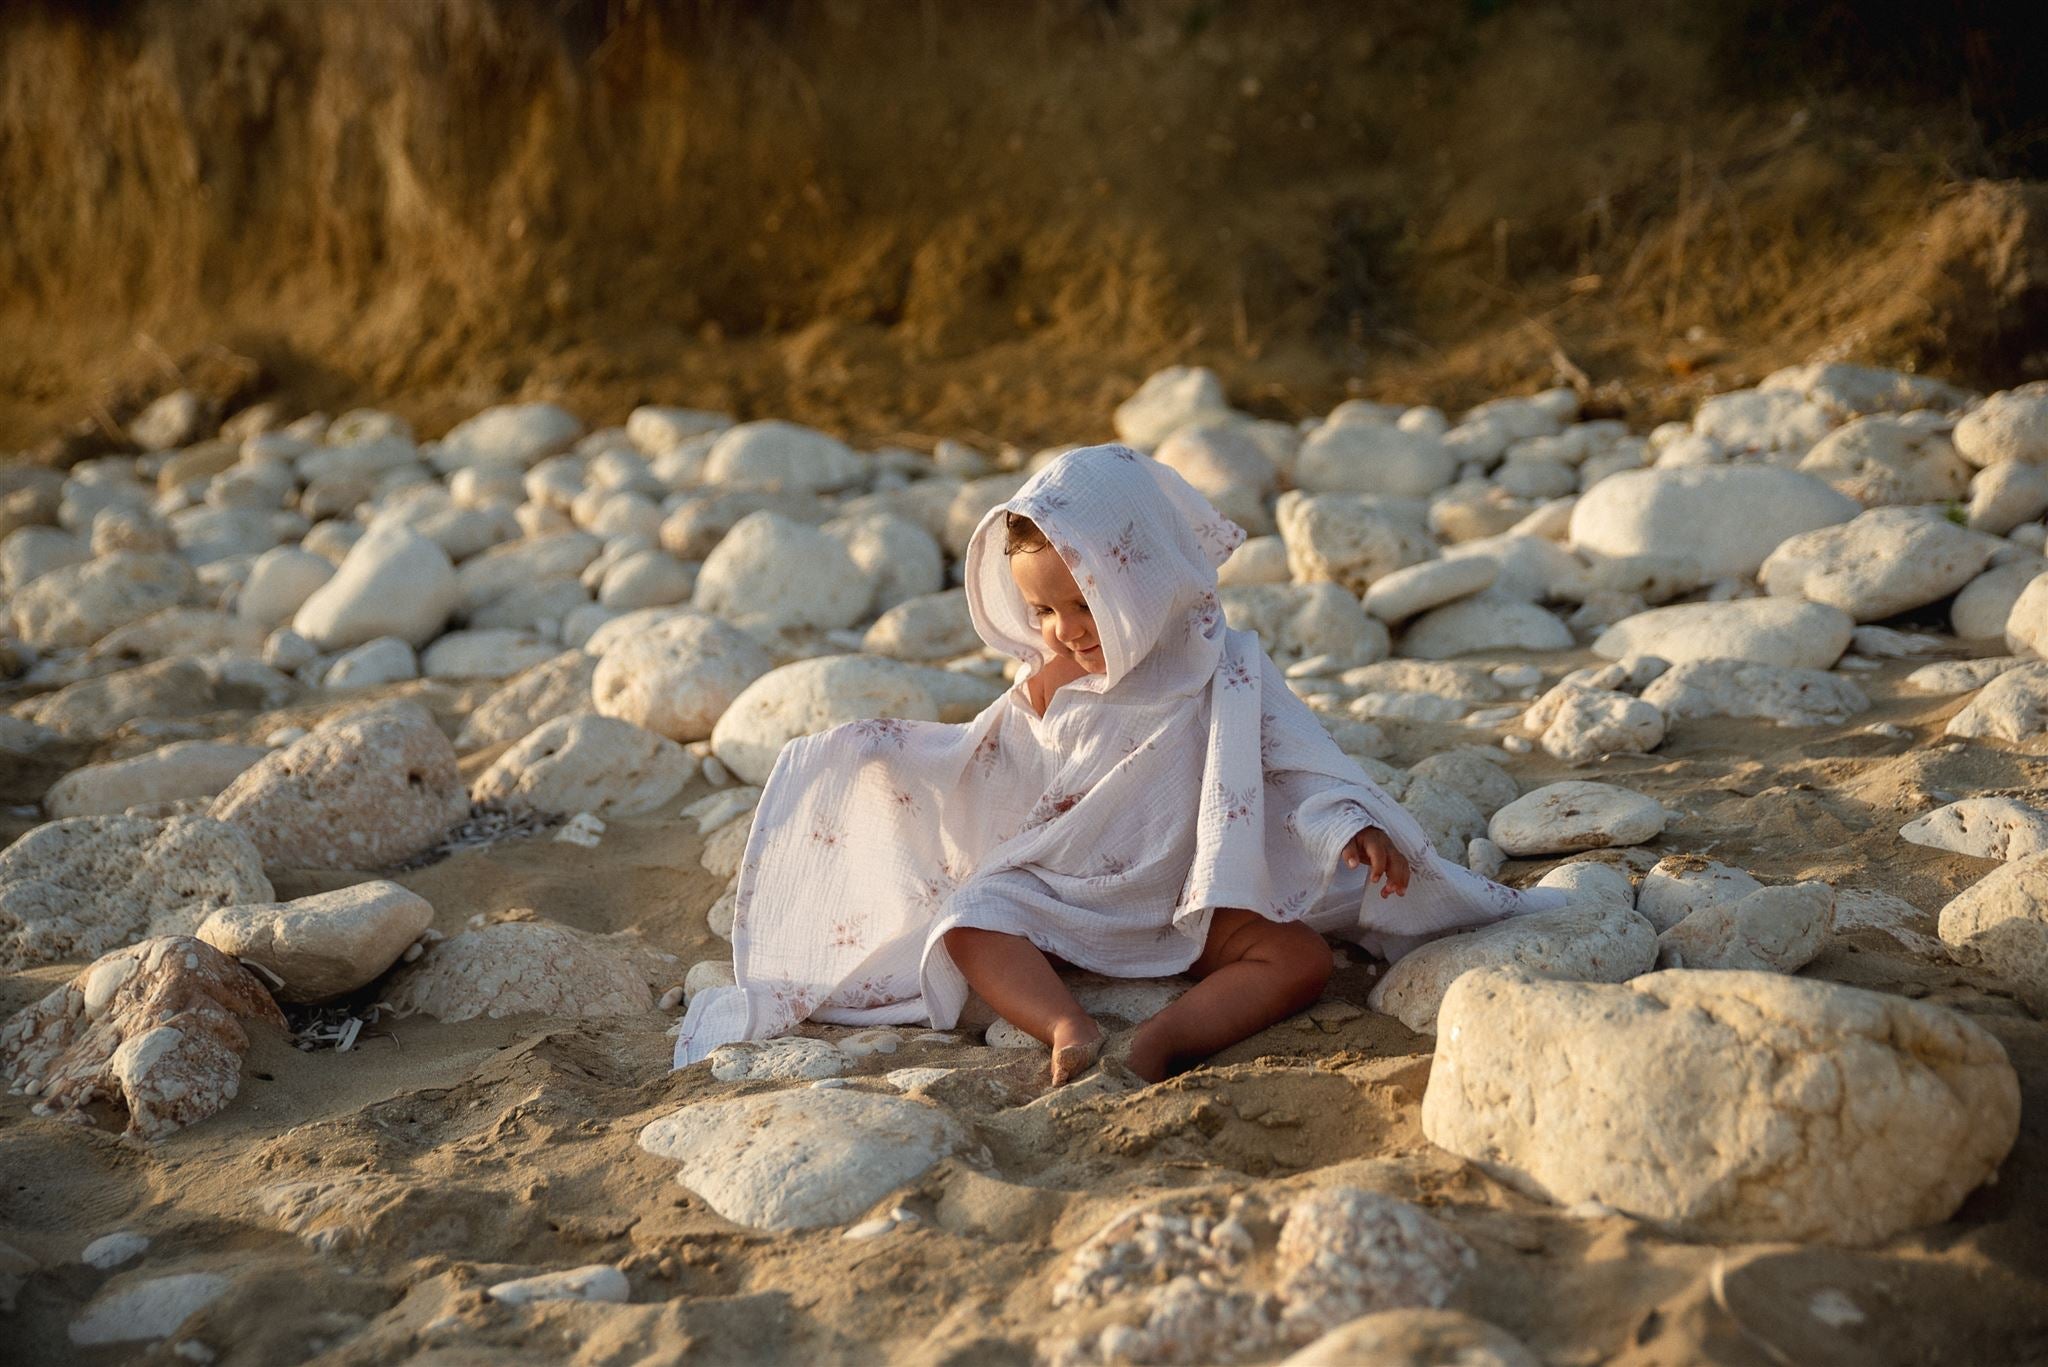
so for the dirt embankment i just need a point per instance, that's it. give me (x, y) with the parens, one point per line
(899, 219)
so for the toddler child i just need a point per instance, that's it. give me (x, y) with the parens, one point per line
(1148, 799)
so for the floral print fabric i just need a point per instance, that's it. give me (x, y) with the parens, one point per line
(1183, 778)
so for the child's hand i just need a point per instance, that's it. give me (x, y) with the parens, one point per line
(1371, 848)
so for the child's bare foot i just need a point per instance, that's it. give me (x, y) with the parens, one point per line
(1076, 1044)
(1150, 1055)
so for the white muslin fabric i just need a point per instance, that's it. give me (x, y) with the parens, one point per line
(1183, 778)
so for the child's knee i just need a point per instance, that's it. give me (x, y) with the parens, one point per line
(1304, 958)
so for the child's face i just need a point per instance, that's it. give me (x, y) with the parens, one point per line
(1056, 605)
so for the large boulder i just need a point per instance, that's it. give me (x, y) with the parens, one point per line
(1771, 631)
(809, 696)
(803, 1158)
(393, 582)
(363, 790)
(1887, 561)
(677, 676)
(1737, 1106)
(76, 605)
(586, 763)
(517, 968)
(1727, 518)
(80, 887)
(2001, 923)
(324, 946)
(773, 573)
(177, 772)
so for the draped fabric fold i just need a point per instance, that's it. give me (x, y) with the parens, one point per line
(1184, 778)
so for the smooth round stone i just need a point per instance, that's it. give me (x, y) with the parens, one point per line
(1406, 592)
(773, 573)
(1773, 631)
(677, 677)
(517, 434)
(279, 583)
(598, 1282)
(326, 945)
(1167, 401)
(1359, 458)
(384, 660)
(1887, 561)
(393, 582)
(810, 696)
(1484, 622)
(782, 455)
(1561, 818)
(2008, 426)
(1725, 518)
(585, 763)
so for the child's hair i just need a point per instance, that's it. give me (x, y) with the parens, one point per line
(1020, 533)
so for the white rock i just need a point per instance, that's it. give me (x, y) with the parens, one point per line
(147, 1310)
(1592, 940)
(1881, 460)
(586, 763)
(2000, 828)
(1362, 458)
(2007, 426)
(1681, 884)
(516, 968)
(771, 572)
(1959, 676)
(1227, 466)
(646, 579)
(1771, 631)
(75, 889)
(1348, 539)
(76, 605)
(677, 678)
(800, 1159)
(2001, 924)
(516, 434)
(792, 1058)
(365, 789)
(109, 1251)
(1170, 399)
(1406, 592)
(186, 769)
(901, 559)
(1887, 561)
(2012, 707)
(597, 1282)
(1486, 622)
(393, 582)
(326, 945)
(1297, 622)
(658, 431)
(279, 583)
(782, 455)
(1733, 1106)
(521, 566)
(1983, 611)
(1258, 560)
(1847, 391)
(1725, 518)
(1775, 930)
(932, 626)
(1469, 773)
(810, 696)
(2003, 496)
(1736, 688)
(1587, 723)
(2026, 623)
(490, 653)
(29, 553)
(1762, 420)
(1561, 818)
(1415, 1338)
(706, 975)
(382, 661)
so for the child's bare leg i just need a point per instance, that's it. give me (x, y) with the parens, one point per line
(1253, 972)
(1013, 976)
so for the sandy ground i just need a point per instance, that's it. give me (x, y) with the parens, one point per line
(464, 1154)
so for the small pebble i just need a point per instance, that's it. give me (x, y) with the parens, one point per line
(1517, 745)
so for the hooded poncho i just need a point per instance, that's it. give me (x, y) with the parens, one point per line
(1183, 778)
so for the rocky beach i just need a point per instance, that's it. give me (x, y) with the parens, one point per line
(376, 801)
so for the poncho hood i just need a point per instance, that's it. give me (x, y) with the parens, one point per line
(1144, 548)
